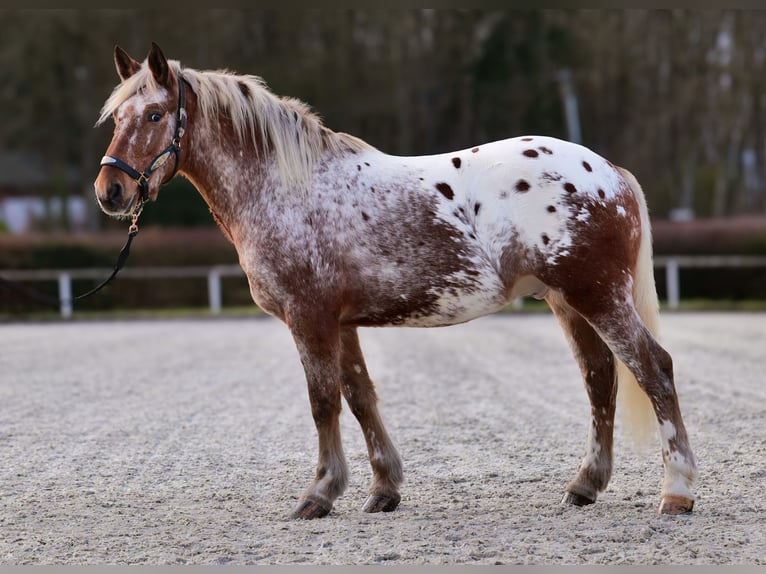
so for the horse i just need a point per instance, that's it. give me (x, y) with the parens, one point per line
(334, 234)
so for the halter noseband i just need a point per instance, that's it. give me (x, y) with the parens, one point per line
(142, 179)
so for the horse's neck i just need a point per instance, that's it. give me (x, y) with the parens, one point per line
(228, 175)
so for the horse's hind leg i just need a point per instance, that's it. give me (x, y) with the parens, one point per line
(318, 343)
(597, 365)
(360, 395)
(616, 320)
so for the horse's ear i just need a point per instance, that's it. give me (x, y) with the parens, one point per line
(126, 66)
(158, 64)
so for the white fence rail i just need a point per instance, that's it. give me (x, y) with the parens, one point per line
(671, 263)
(64, 277)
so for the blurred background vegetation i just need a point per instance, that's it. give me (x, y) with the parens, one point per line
(676, 96)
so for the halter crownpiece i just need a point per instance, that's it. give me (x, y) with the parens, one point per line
(142, 178)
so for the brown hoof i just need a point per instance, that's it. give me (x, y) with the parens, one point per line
(378, 503)
(310, 509)
(673, 504)
(576, 499)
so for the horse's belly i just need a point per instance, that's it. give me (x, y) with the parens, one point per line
(428, 301)
(453, 307)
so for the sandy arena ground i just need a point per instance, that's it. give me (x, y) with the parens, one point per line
(189, 441)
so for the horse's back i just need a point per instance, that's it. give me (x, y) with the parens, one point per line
(532, 201)
(469, 230)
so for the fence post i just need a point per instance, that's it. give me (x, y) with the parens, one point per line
(672, 282)
(65, 295)
(214, 290)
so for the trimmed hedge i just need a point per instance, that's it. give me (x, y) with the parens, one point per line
(157, 246)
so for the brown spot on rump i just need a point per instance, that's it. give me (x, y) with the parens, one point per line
(530, 153)
(551, 209)
(527, 139)
(522, 186)
(545, 150)
(456, 162)
(365, 216)
(570, 188)
(546, 239)
(460, 214)
(358, 167)
(601, 193)
(445, 190)
(548, 176)
(474, 150)
(587, 166)
(367, 164)
(476, 208)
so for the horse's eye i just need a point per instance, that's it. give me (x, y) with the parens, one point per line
(154, 116)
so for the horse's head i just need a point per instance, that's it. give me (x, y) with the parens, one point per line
(150, 119)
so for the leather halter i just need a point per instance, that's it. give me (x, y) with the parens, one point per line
(142, 178)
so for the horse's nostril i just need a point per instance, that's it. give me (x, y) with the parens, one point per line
(114, 191)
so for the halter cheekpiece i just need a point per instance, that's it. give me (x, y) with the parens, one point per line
(142, 178)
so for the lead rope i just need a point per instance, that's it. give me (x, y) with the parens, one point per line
(121, 259)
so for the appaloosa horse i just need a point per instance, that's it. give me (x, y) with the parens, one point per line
(334, 234)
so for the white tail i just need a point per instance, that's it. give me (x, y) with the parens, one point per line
(634, 404)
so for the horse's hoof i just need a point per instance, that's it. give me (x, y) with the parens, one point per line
(674, 504)
(310, 509)
(378, 503)
(575, 499)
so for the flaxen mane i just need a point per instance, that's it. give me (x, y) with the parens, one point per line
(255, 113)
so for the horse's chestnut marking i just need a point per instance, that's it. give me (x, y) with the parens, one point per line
(456, 162)
(570, 188)
(530, 153)
(522, 186)
(445, 190)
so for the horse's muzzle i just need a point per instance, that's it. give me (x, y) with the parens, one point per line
(114, 197)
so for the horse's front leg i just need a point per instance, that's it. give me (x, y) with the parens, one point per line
(361, 397)
(318, 343)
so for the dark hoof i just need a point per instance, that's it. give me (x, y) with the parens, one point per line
(378, 503)
(576, 499)
(310, 509)
(674, 504)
